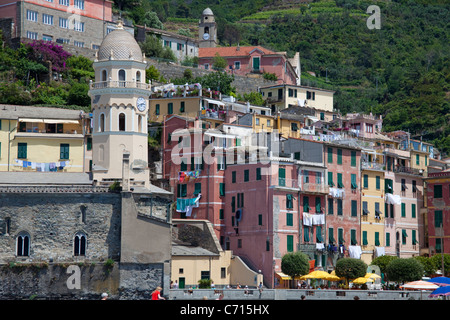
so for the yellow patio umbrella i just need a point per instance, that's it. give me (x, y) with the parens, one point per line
(332, 278)
(315, 275)
(372, 276)
(362, 280)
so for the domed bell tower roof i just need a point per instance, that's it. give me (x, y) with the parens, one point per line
(119, 45)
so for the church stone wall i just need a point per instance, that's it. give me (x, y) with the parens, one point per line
(53, 219)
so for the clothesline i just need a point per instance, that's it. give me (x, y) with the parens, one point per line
(185, 176)
(42, 166)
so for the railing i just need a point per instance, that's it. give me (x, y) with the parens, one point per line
(286, 183)
(372, 165)
(402, 169)
(315, 187)
(119, 84)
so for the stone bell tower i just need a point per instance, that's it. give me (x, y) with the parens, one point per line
(119, 104)
(207, 30)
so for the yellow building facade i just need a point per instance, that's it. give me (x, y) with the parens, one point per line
(372, 212)
(41, 140)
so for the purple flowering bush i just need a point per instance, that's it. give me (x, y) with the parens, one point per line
(47, 51)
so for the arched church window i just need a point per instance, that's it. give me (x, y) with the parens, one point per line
(122, 122)
(206, 29)
(23, 244)
(121, 78)
(79, 244)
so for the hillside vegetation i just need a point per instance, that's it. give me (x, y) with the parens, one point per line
(400, 71)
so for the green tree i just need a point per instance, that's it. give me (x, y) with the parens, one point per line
(152, 73)
(153, 48)
(428, 264)
(437, 261)
(383, 261)
(218, 80)
(218, 62)
(78, 94)
(295, 264)
(404, 270)
(80, 67)
(151, 20)
(350, 268)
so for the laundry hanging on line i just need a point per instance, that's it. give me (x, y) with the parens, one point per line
(42, 166)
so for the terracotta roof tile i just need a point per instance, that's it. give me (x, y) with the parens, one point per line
(231, 51)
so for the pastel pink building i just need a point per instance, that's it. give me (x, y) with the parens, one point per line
(251, 60)
(78, 25)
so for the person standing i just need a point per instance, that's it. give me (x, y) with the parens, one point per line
(156, 295)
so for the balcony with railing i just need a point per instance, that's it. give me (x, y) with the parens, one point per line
(369, 165)
(315, 188)
(119, 84)
(408, 170)
(284, 183)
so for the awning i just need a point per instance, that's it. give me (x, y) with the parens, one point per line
(61, 121)
(283, 276)
(215, 102)
(30, 120)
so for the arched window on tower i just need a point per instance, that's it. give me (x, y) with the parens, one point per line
(122, 122)
(102, 123)
(206, 29)
(23, 244)
(79, 244)
(104, 76)
(121, 78)
(140, 123)
(138, 76)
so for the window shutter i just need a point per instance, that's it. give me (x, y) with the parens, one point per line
(222, 189)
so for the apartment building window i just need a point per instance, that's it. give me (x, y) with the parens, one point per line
(438, 218)
(47, 37)
(64, 2)
(290, 243)
(79, 4)
(330, 155)
(258, 173)
(413, 210)
(377, 238)
(32, 35)
(331, 235)
(47, 19)
(289, 201)
(353, 241)
(246, 175)
(182, 190)
(32, 15)
(354, 208)
(437, 191)
(198, 189)
(222, 189)
(366, 181)
(180, 46)
(237, 65)
(403, 210)
(305, 204)
(78, 26)
(339, 156)
(233, 177)
(21, 150)
(377, 182)
(256, 63)
(157, 109)
(339, 207)
(341, 236)
(310, 95)
(289, 219)
(170, 108)
(353, 181)
(330, 179)
(64, 151)
(63, 41)
(330, 206)
(353, 161)
(63, 23)
(339, 178)
(364, 239)
(404, 236)
(182, 107)
(221, 215)
(318, 205)
(183, 164)
(260, 218)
